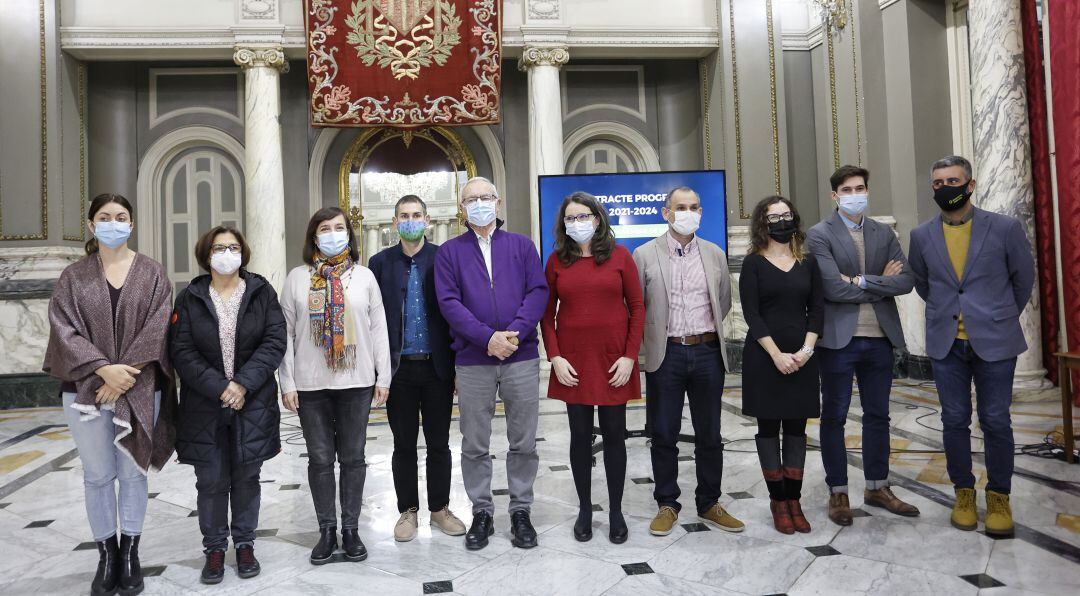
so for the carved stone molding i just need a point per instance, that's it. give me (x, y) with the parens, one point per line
(543, 56)
(251, 57)
(542, 10)
(258, 10)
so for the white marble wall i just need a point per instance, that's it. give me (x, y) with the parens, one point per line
(24, 323)
(1002, 157)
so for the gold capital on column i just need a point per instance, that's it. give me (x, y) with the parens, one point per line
(543, 56)
(252, 56)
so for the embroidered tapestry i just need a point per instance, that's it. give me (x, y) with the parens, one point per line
(403, 62)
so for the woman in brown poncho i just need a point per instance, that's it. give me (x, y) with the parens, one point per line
(109, 318)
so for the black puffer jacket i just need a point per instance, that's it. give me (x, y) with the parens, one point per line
(196, 355)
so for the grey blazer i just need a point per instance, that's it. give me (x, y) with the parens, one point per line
(832, 246)
(999, 275)
(654, 268)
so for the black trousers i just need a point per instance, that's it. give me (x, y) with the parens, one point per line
(335, 427)
(417, 393)
(221, 483)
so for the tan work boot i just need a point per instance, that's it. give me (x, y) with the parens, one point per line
(405, 529)
(664, 521)
(884, 498)
(445, 520)
(839, 509)
(722, 519)
(999, 521)
(964, 515)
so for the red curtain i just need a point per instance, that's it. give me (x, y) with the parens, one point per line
(1040, 174)
(1064, 16)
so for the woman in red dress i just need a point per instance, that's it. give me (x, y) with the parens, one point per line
(592, 332)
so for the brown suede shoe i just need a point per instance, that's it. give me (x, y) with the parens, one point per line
(839, 510)
(884, 498)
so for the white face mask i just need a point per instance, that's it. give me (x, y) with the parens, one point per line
(332, 244)
(581, 231)
(225, 263)
(686, 222)
(853, 204)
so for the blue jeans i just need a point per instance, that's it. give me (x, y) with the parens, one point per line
(696, 372)
(868, 360)
(103, 466)
(993, 396)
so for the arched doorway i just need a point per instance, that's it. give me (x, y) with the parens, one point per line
(384, 164)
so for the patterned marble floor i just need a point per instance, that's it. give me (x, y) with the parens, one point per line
(45, 548)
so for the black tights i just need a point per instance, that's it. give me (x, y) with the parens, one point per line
(613, 431)
(789, 484)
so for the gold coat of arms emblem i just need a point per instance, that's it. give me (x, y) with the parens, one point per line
(403, 35)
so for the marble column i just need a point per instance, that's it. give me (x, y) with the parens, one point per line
(441, 232)
(542, 64)
(264, 181)
(1002, 157)
(371, 240)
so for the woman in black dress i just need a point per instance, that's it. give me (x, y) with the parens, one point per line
(784, 308)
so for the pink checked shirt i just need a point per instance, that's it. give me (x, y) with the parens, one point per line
(690, 311)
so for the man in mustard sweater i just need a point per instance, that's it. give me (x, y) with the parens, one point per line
(975, 270)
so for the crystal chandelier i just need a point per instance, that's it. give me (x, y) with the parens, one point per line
(833, 12)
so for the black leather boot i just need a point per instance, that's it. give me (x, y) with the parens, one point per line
(247, 565)
(213, 570)
(324, 550)
(131, 581)
(354, 547)
(107, 578)
(483, 526)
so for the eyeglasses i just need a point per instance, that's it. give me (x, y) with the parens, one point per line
(777, 217)
(472, 200)
(580, 218)
(220, 249)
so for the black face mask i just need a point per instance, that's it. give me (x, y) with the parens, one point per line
(782, 231)
(951, 198)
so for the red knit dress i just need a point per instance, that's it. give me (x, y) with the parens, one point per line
(600, 318)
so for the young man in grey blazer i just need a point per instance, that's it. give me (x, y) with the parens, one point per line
(687, 292)
(862, 270)
(976, 271)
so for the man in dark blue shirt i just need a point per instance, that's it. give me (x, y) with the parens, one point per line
(423, 381)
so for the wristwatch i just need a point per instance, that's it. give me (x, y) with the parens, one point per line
(807, 350)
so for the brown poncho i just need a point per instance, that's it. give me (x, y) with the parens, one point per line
(83, 338)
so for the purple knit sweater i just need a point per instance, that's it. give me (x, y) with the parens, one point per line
(513, 299)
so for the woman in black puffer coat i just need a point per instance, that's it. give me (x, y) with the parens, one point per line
(226, 340)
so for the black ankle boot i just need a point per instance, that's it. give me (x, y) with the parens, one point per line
(107, 578)
(131, 581)
(354, 547)
(324, 550)
(583, 525)
(618, 532)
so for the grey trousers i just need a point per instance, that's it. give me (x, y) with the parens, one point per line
(518, 384)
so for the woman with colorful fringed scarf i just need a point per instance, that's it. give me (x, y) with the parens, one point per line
(337, 364)
(109, 318)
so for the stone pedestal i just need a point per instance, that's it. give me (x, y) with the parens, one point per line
(1002, 157)
(542, 64)
(264, 182)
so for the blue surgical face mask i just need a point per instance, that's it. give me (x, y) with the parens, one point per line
(332, 244)
(581, 231)
(481, 213)
(853, 205)
(112, 234)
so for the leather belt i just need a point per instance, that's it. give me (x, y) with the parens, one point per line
(693, 340)
(416, 356)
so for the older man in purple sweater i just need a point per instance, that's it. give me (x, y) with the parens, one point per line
(491, 289)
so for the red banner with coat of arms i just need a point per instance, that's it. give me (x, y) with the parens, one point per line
(403, 62)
